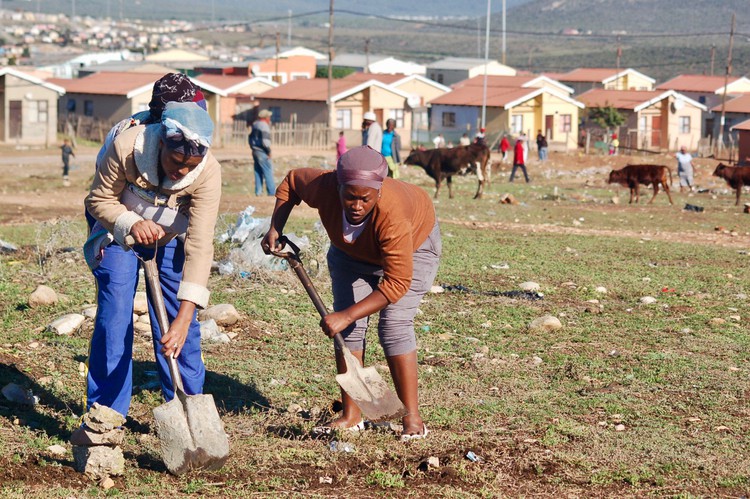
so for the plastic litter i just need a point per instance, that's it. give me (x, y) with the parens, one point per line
(6, 247)
(692, 207)
(524, 295)
(337, 446)
(17, 394)
(473, 457)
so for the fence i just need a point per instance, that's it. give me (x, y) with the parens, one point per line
(315, 136)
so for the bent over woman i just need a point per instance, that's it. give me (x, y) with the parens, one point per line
(384, 255)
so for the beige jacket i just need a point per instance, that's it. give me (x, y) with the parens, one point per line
(133, 158)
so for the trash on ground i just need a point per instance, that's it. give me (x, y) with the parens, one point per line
(473, 457)
(17, 394)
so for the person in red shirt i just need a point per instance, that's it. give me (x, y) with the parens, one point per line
(504, 147)
(518, 161)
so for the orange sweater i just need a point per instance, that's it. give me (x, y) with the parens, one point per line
(400, 222)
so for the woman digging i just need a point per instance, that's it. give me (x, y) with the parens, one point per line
(384, 255)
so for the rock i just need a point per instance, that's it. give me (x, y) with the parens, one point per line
(601, 289)
(210, 333)
(717, 321)
(33, 345)
(89, 312)
(545, 323)
(101, 418)
(508, 198)
(66, 324)
(529, 286)
(86, 437)
(42, 296)
(620, 427)
(142, 328)
(17, 394)
(140, 303)
(98, 462)
(224, 314)
(648, 300)
(433, 462)
(106, 483)
(536, 360)
(437, 289)
(144, 319)
(615, 200)
(57, 450)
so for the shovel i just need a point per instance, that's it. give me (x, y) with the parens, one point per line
(190, 430)
(364, 385)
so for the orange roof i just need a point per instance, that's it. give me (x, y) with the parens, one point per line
(223, 82)
(588, 74)
(744, 125)
(382, 78)
(107, 83)
(619, 99)
(470, 96)
(739, 104)
(695, 83)
(315, 89)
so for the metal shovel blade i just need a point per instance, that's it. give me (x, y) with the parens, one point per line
(369, 391)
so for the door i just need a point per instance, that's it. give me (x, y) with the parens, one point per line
(549, 126)
(15, 118)
(656, 131)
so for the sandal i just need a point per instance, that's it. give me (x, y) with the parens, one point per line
(407, 437)
(328, 430)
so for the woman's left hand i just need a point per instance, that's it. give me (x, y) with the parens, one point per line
(175, 338)
(333, 323)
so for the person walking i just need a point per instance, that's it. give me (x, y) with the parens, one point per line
(260, 143)
(541, 145)
(391, 149)
(372, 132)
(340, 146)
(159, 184)
(685, 169)
(384, 255)
(504, 147)
(519, 161)
(67, 152)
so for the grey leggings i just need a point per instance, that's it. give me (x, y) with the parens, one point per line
(353, 280)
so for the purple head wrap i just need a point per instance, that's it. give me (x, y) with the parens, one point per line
(173, 87)
(362, 166)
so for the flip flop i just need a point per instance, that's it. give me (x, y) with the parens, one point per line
(416, 436)
(328, 430)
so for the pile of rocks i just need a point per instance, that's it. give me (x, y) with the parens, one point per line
(96, 444)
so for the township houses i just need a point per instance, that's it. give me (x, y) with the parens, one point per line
(29, 108)
(654, 119)
(514, 104)
(276, 69)
(240, 92)
(304, 101)
(455, 69)
(708, 90)
(376, 64)
(584, 79)
(736, 111)
(743, 142)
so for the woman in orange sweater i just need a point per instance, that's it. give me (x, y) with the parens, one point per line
(384, 255)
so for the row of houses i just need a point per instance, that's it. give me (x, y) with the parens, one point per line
(681, 111)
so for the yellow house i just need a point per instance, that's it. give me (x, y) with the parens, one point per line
(654, 120)
(29, 114)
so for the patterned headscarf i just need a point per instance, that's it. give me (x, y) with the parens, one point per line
(362, 166)
(173, 87)
(186, 128)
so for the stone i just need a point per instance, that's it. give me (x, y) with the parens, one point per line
(437, 289)
(601, 289)
(43, 296)
(66, 324)
(529, 286)
(140, 303)
(101, 418)
(57, 450)
(717, 321)
(142, 328)
(224, 314)
(89, 312)
(648, 300)
(620, 427)
(98, 462)
(508, 198)
(106, 483)
(210, 333)
(433, 462)
(144, 319)
(86, 437)
(545, 323)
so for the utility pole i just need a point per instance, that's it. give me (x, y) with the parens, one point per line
(479, 39)
(486, 61)
(289, 29)
(720, 140)
(713, 55)
(278, 49)
(367, 56)
(329, 104)
(503, 52)
(619, 53)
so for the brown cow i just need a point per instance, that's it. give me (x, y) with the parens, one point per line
(446, 162)
(736, 177)
(633, 175)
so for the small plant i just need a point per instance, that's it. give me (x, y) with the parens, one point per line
(385, 480)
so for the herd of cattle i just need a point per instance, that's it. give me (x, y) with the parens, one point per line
(443, 163)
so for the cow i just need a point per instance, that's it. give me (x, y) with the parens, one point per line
(736, 177)
(446, 162)
(633, 175)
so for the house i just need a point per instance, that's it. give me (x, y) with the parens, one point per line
(655, 119)
(513, 104)
(743, 141)
(376, 64)
(709, 91)
(69, 68)
(110, 96)
(455, 69)
(584, 79)
(305, 101)
(125, 66)
(284, 69)
(283, 52)
(736, 110)
(29, 108)
(169, 57)
(241, 92)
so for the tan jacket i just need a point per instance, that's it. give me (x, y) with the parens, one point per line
(134, 158)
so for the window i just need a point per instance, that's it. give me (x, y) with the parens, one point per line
(88, 108)
(702, 99)
(684, 124)
(275, 114)
(344, 119)
(642, 124)
(398, 115)
(71, 105)
(449, 120)
(516, 123)
(37, 111)
(566, 123)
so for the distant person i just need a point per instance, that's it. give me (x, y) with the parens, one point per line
(541, 145)
(525, 143)
(519, 161)
(480, 138)
(340, 146)
(392, 148)
(614, 144)
(260, 143)
(504, 147)
(67, 152)
(449, 145)
(372, 133)
(439, 141)
(464, 140)
(685, 169)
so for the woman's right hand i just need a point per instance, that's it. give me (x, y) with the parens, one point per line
(147, 232)
(270, 241)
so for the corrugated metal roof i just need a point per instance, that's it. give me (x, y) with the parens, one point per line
(739, 104)
(619, 99)
(107, 83)
(695, 83)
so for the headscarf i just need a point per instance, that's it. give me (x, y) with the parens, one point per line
(186, 128)
(363, 166)
(173, 87)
